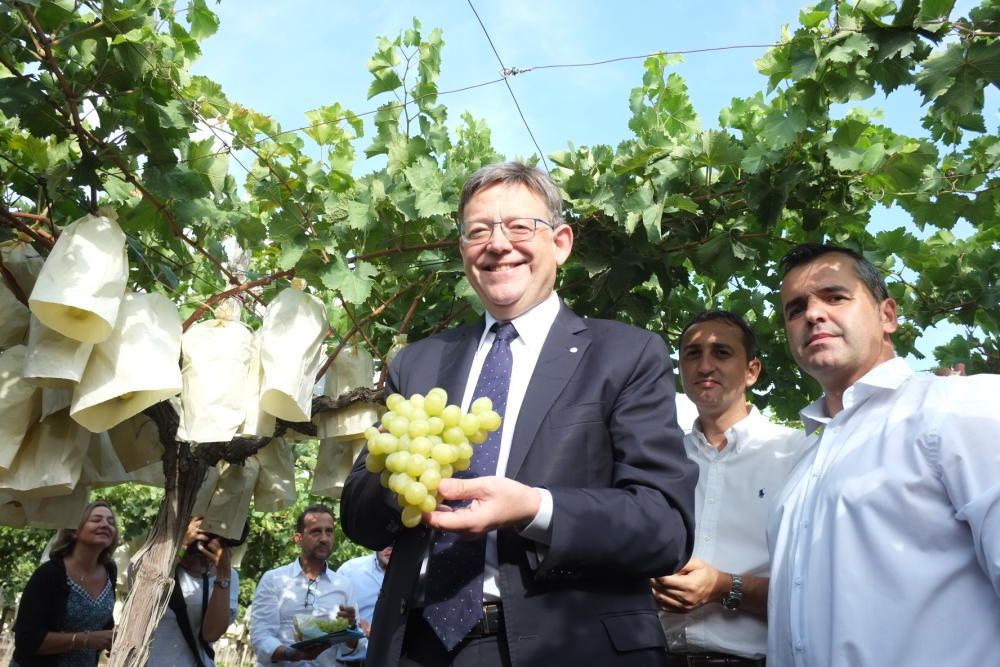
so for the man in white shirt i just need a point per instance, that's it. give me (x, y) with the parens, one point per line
(885, 542)
(713, 608)
(366, 574)
(306, 586)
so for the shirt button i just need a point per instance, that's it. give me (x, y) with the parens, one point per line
(798, 581)
(711, 501)
(798, 646)
(708, 538)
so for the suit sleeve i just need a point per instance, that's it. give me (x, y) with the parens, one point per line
(642, 523)
(369, 513)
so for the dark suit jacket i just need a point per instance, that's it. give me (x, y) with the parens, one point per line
(598, 429)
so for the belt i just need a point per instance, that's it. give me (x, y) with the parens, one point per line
(711, 660)
(490, 623)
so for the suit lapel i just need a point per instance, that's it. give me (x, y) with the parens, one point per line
(560, 355)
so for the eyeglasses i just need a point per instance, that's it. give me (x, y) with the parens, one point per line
(310, 592)
(515, 229)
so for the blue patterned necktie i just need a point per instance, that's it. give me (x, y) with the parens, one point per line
(454, 589)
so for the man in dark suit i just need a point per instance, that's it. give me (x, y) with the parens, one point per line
(592, 493)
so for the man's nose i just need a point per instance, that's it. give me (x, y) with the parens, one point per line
(815, 310)
(498, 241)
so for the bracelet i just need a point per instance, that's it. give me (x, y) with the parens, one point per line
(72, 642)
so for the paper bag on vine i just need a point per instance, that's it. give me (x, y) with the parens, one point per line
(82, 283)
(275, 487)
(15, 318)
(216, 358)
(353, 367)
(136, 442)
(58, 511)
(101, 466)
(257, 423)
(229, 505)
(20, 404)
(333, 465)
(12, 513)
(23, 262)
(54, 400)
(291, 343)
(151, 475)
(134, 368)
(49, 461)
(206, 490)
(53, 359)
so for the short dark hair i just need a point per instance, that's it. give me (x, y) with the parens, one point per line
(514, 173)
(749, 337)
(315, 508)
(866, 272)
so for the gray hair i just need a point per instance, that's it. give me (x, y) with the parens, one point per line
(514, 173)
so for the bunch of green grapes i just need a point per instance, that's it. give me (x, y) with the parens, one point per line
(422, 441)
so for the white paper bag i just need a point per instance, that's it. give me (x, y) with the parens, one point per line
(101, 466)
(14, 317)
(206, 490)
(291, 343)
(53, 359)
(134, 368)
(12, 513)
(151, 475)
(54, 400)
(230, 504)
(352, 368)
(216, 358)
(20, 404)
(137, 444)
(23, 262)
(257, 423)
(58, 511)
(49, 461)
(81, 285)
(275, 487)
(333, 465)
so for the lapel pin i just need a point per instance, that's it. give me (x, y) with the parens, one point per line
(573, 350)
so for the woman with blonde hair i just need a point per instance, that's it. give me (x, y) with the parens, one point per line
(64, 617)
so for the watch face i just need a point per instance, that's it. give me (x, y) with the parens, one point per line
(731, 603)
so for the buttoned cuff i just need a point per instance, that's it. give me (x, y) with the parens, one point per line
(540, 528)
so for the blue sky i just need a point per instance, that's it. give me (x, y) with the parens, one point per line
(285, 58)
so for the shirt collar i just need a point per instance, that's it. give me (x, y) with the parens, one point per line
(532, 325)
(889, 375)
(297, 568)
(736, 435)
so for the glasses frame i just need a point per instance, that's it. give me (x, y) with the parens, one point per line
(493, 225)
(311, 593)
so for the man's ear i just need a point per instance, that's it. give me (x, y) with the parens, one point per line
(753, 372)
(890, 319)
(297, 538)
(562, 238)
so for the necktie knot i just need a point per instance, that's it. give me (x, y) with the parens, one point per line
(505, 331)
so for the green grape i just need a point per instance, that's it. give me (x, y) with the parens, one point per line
(405, 409)
(383, 478)
(480, 405)
(386, 443)
(435, 425)
(411, 516)
(469, 424)
(429, 504)
(371, 433)
(490, 420)
(421, 445)
(419, 413)
(453, 435)
(434, 403)
(417, 400)
(399, 426)
(396, 462)
(443, 454)
(419, 427)
(374, 463)
(450, 415)
(446, 471)
(415, 493)
(479, 437)
(392, 401)
(464, 451)
(461, 464)
(430, 479)
(416, 465)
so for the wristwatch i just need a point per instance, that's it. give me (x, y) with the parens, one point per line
(733, 600)
(222, 583)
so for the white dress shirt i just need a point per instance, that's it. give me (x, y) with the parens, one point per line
(169, 648)
(280, 595)
(366, 575)
(736, 490)
(886, 540)
(532, 329)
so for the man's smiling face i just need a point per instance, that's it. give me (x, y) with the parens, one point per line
(511, 278)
